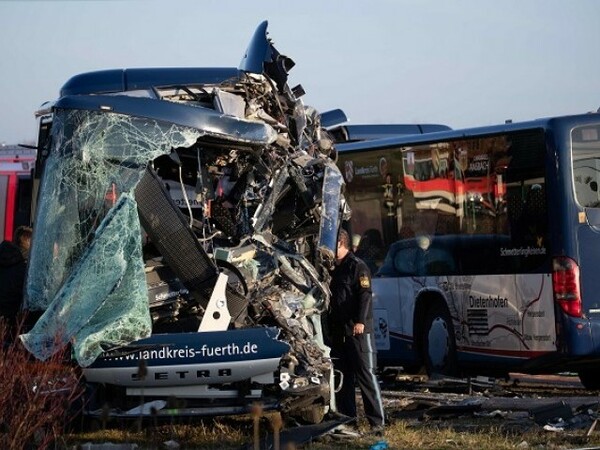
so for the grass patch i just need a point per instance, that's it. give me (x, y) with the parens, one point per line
(465, 433)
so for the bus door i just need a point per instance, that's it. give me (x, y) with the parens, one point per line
(398, 283)
(585, 142)
(386, 311)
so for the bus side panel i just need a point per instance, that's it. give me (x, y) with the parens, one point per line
(498, 319)
(538, 321)
(588, 239)
(393, 310)
(580, 337)
(502, 317)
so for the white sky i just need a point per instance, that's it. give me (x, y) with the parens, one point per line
(457, 62)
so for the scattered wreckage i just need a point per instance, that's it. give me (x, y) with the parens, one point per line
(185, 223)
(518, 404)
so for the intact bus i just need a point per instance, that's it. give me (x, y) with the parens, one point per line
(484, 245)
(16, 168)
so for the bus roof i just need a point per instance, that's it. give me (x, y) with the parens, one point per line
(367, 132)
(425, 138)
(122, 80)
(258, 58)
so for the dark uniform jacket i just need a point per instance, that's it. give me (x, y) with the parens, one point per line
(13, 266)
(351, 297)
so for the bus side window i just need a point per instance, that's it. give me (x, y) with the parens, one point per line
(514, 209)
(423, 257)
(388, 268)
(405, 261)
(400, 260)
(535, 210)
(371, 250)
(440, 261)
(476, 254)
(481, 255)
(531, 227)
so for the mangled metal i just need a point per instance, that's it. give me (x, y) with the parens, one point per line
(182, 208)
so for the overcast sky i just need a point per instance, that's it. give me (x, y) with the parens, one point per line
(460, 62)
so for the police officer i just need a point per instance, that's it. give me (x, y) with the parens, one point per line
(350, 324)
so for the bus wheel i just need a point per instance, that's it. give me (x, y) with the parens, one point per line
(590, 379)
(439, 346)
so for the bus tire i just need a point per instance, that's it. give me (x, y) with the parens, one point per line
(590, 379)
(439, 346)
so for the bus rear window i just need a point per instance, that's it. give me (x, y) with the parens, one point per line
(585, 144)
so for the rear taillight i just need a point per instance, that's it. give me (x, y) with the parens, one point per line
(565, 284)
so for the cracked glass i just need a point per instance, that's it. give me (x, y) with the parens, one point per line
(87, 270)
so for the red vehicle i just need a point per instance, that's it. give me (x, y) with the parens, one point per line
(16, 169)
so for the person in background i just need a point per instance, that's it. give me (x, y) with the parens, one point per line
(13, 266)
(350, 323)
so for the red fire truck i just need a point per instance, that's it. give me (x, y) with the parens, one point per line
(16, 170)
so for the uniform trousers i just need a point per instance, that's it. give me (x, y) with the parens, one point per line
(356, 358)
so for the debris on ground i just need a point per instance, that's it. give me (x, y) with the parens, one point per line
(520, 403)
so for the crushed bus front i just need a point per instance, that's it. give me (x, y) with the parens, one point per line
(184, 229)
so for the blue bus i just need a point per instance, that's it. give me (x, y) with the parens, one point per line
(483, 244)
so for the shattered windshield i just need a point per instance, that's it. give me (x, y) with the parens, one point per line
(87, 270)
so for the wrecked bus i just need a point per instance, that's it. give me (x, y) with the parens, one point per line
(185, 224)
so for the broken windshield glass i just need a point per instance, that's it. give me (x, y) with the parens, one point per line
(87, 272)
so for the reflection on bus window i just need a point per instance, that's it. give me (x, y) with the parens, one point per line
(370, 249)
(492, 187)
